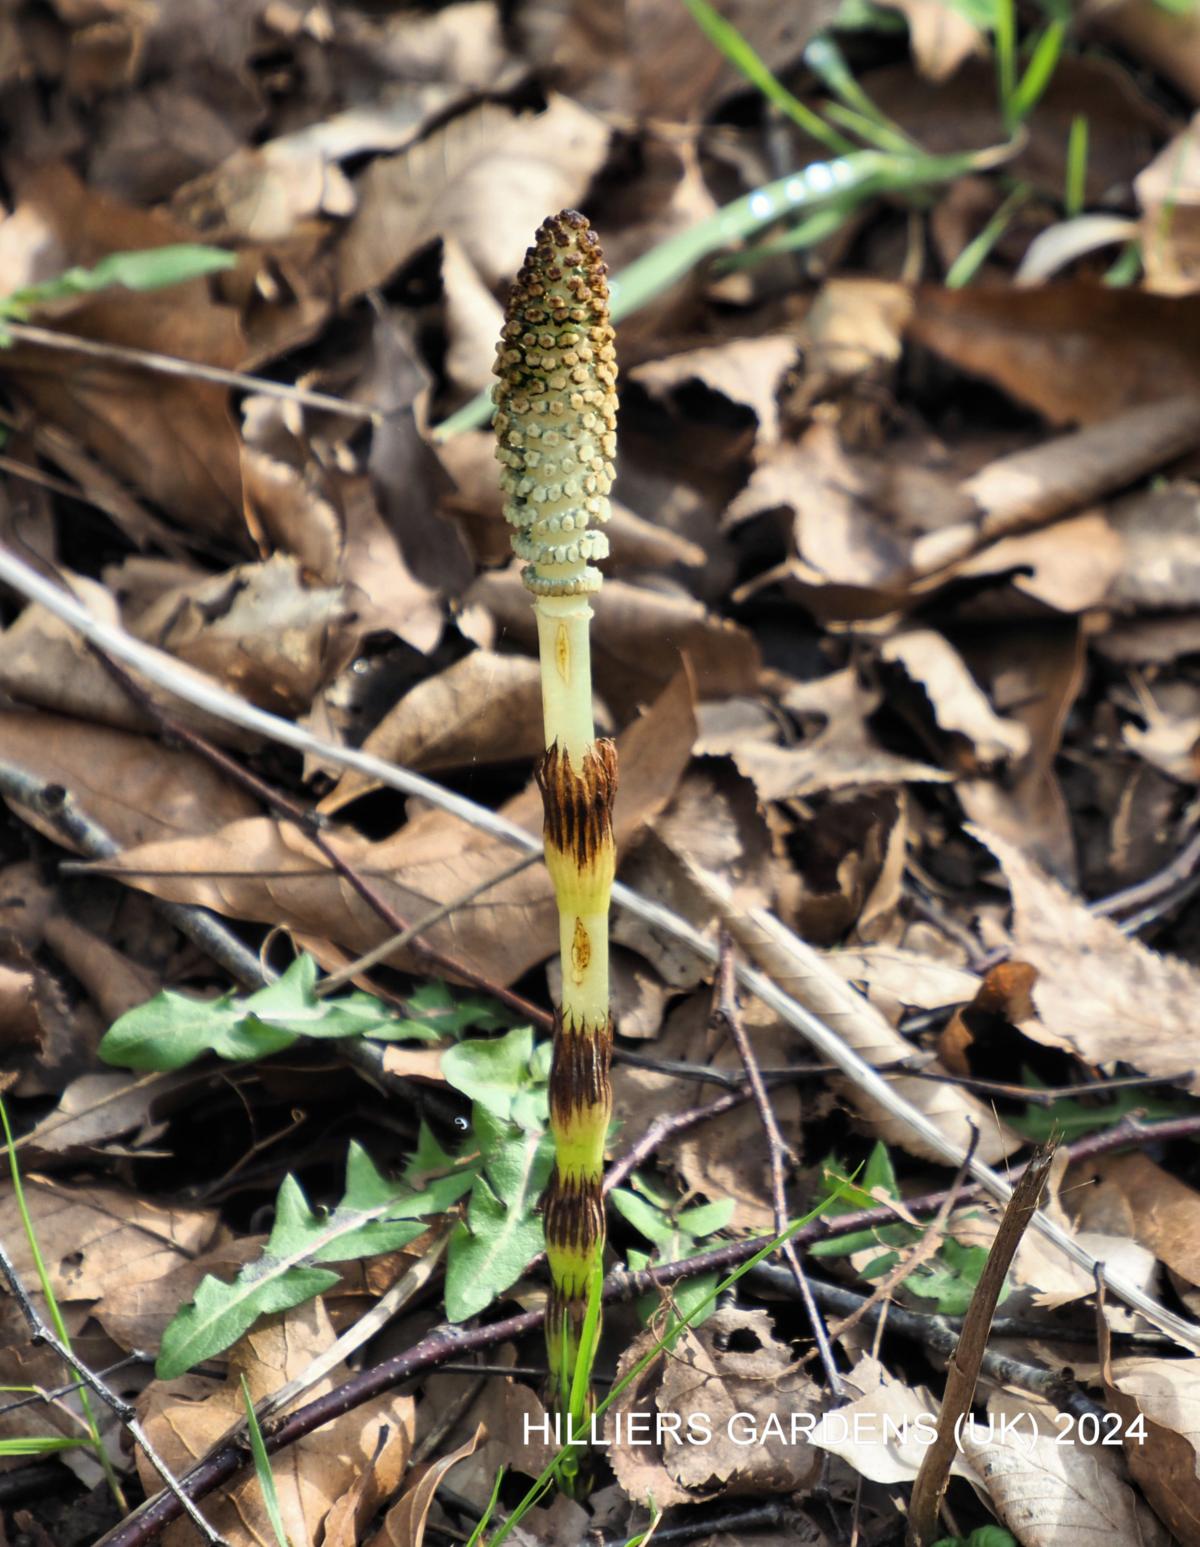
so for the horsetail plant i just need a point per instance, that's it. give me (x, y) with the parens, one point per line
(556, 437)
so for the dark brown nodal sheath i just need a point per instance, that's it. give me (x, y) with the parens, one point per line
(555, 425)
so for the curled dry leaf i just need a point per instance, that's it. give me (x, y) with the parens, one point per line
(959, 703)
(486, 178)
(841, 755)
(1159, 1397)
(1132, 1195)
(941, 36)
(878, 1431)
(705, 1422)
(1099, 993)
(185, 1417)
(746, 371)
(638, 635)
(404, 1524)
(1054, 1492)
(807, 976)
(485, 708)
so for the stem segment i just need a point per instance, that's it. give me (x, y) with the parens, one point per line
(556, 434)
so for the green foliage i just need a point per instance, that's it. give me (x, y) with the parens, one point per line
(948, 1278)
(262, 1470)
(1073, 1119)
(503, 1166)
(375, 1215)
(39, 1445)
(172, 1029)
(153, 269)
(982, 1536)
(676, 1234)
(502, 1232)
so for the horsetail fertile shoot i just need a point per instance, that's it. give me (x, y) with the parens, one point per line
(555, 423)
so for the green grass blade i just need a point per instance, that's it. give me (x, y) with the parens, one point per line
(968, 263)
(857, 177)
(40, 1445)
(738, 51)
(262, 1470)
(1006, 58)
(827, 62)
(1075, 190)
(56, 1320)
(1038, 73)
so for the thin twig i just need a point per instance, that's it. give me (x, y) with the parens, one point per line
(200, 926)
(205, 694)
(311, 825)
(967, 1358)
(941, 1334)
(172, 365)
(41, 1333)
(407, 936)
(663, 1128)
(727, 1014)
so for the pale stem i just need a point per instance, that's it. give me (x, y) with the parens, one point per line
(563, 645)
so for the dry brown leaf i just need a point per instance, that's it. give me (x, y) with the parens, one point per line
(169, 436)
(1168, 191)
(136, 789)
(840, 537)
(95, 1238)
(486, 178)
(713, 1399)
(184, 1417)
(266, 870)
(638, 635)
(1037, 676)
(1163, 1449)
(353, 1510)
(1056, 1492)
(806, 975)
(879, 1430)
(940, 35)
(1156, 1209)
(1168, 40)
(94, 1110)
(840, 756)
(904, 977)
(404, 1524)
(959, 703)
(1159, 530)
(1103, 995)
(853, 330)
(261, 630)
(746, 371)
(485, 708)
(1076, 352)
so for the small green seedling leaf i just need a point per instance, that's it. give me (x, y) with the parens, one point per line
(502, 1232)
(374, 1216)
(173, 1030)
(496, 1075)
